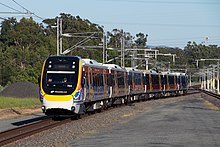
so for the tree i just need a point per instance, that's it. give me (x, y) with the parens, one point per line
(141, 40)
(25, 44)
(194, 51)
(22, 50)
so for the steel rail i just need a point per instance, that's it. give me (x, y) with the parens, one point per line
(15, 134)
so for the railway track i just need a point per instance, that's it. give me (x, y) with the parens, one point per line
(212, 94)
(12, 135)
(197, 87)
(207, 95)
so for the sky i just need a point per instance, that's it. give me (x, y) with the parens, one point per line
(167, 22)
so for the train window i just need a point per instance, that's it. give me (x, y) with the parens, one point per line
(90, 78)
(85, 79)
(93, 80)
(144, 79)
(110, 80)
(102, 82)
(171, 79)
(148, 79)
(165, 79)
(183, 79)
(178, 79)
(97, 80)
(155, 79)
(130, 79)
(120, 78)
(162, 79)
(137, 78)
(59, 76)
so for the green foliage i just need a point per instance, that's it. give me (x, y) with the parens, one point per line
(141, 40)
(7, 102)
(25, 47)
(194, 51)
(25, 44)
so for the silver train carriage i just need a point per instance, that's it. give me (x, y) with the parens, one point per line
(70, 85)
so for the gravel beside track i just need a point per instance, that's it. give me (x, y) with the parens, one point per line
(21, 90)
(65, 135)
(211, 99)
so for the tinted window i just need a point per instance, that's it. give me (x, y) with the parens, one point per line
(60, 75)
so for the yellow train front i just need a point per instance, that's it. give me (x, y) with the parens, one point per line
(61, 86)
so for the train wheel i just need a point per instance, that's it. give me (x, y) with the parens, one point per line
(99, 110)
(76, 117)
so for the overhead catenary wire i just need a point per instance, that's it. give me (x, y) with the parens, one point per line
(3, 18)
(174, 41)
(17, 11)
(29, 12)
(21, 6)
(161, 24)
(166, 2)
(10, 7)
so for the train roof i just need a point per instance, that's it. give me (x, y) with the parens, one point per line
(114, 67)
(93, 63)
(130, 69)
(174, 73)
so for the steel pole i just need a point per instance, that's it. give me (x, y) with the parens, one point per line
(58, 31)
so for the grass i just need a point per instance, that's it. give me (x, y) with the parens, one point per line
(9, 102)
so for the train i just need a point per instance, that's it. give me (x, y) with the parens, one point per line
(72, 86)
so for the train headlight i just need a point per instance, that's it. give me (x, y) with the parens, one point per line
(73, 108)
(43, 109)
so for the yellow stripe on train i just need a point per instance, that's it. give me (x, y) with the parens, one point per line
(58, 97)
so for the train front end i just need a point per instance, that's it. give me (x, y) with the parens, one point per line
(60, 86)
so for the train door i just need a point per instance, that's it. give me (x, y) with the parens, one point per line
(150, 83)
(144, 80)
(175, 82)
(161, 82)
(90, 83)
(167, 83)
(115, 86)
